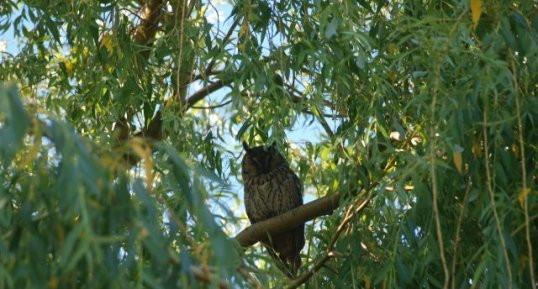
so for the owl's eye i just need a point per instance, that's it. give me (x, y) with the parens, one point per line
(257, 161)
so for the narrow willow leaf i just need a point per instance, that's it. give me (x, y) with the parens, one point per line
(457, 157)
(476, 10)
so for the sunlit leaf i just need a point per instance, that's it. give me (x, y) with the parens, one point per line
(143, 151)
(523, 196)
(106, 42)
(457, 157)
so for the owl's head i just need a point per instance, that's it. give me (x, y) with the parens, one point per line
(259, 160)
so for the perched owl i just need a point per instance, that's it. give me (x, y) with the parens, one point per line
(272, 188)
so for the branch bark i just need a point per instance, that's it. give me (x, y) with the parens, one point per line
(144, 34)
(146, 30)
(289, 220)
(202, 93)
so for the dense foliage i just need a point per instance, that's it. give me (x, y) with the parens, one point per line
(121, 122)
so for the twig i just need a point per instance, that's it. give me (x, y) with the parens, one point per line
(322, 121)
(297, 282)
(457, 238)
(179, 76)
(523, 173)
(349, 216)
(435, 193)
(204, 76)
(324, 114)
(522, 226)
(212, 106)
(492, 199)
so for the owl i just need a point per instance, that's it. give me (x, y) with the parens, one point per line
(271, 189)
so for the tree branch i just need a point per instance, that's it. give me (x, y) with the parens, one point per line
(303, 278)
(289, 220)
(351, 212)
(144, 34)
(213, 106)
(146, 30)
(203, 275)
(200, 94)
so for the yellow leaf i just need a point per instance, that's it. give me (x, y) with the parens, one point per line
(515, 150)
(69, 68)
(335, 184)
(523, 261)
(143, 151)
(523, 196)
(143, 233)
(85, 52)
(53, 283)
(106, 41)
(244, 29)
(477, 148)
(325, 153)
(457, 160)
(476, 10)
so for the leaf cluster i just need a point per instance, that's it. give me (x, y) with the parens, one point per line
(426, 108)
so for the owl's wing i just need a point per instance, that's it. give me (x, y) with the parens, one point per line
(294, 193)
(298, 193)
(249, 192)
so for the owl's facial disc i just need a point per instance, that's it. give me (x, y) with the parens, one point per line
(262, 161)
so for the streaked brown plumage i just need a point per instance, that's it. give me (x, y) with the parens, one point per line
(272, 188)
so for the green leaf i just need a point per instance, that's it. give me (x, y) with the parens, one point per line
(330, 31)
(13, 123)
(507, 34)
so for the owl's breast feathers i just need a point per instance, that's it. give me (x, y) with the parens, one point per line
(271, 194)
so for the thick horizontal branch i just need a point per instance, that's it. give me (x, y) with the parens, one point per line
(288, 220)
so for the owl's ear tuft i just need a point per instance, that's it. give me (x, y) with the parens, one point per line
(245, 146)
